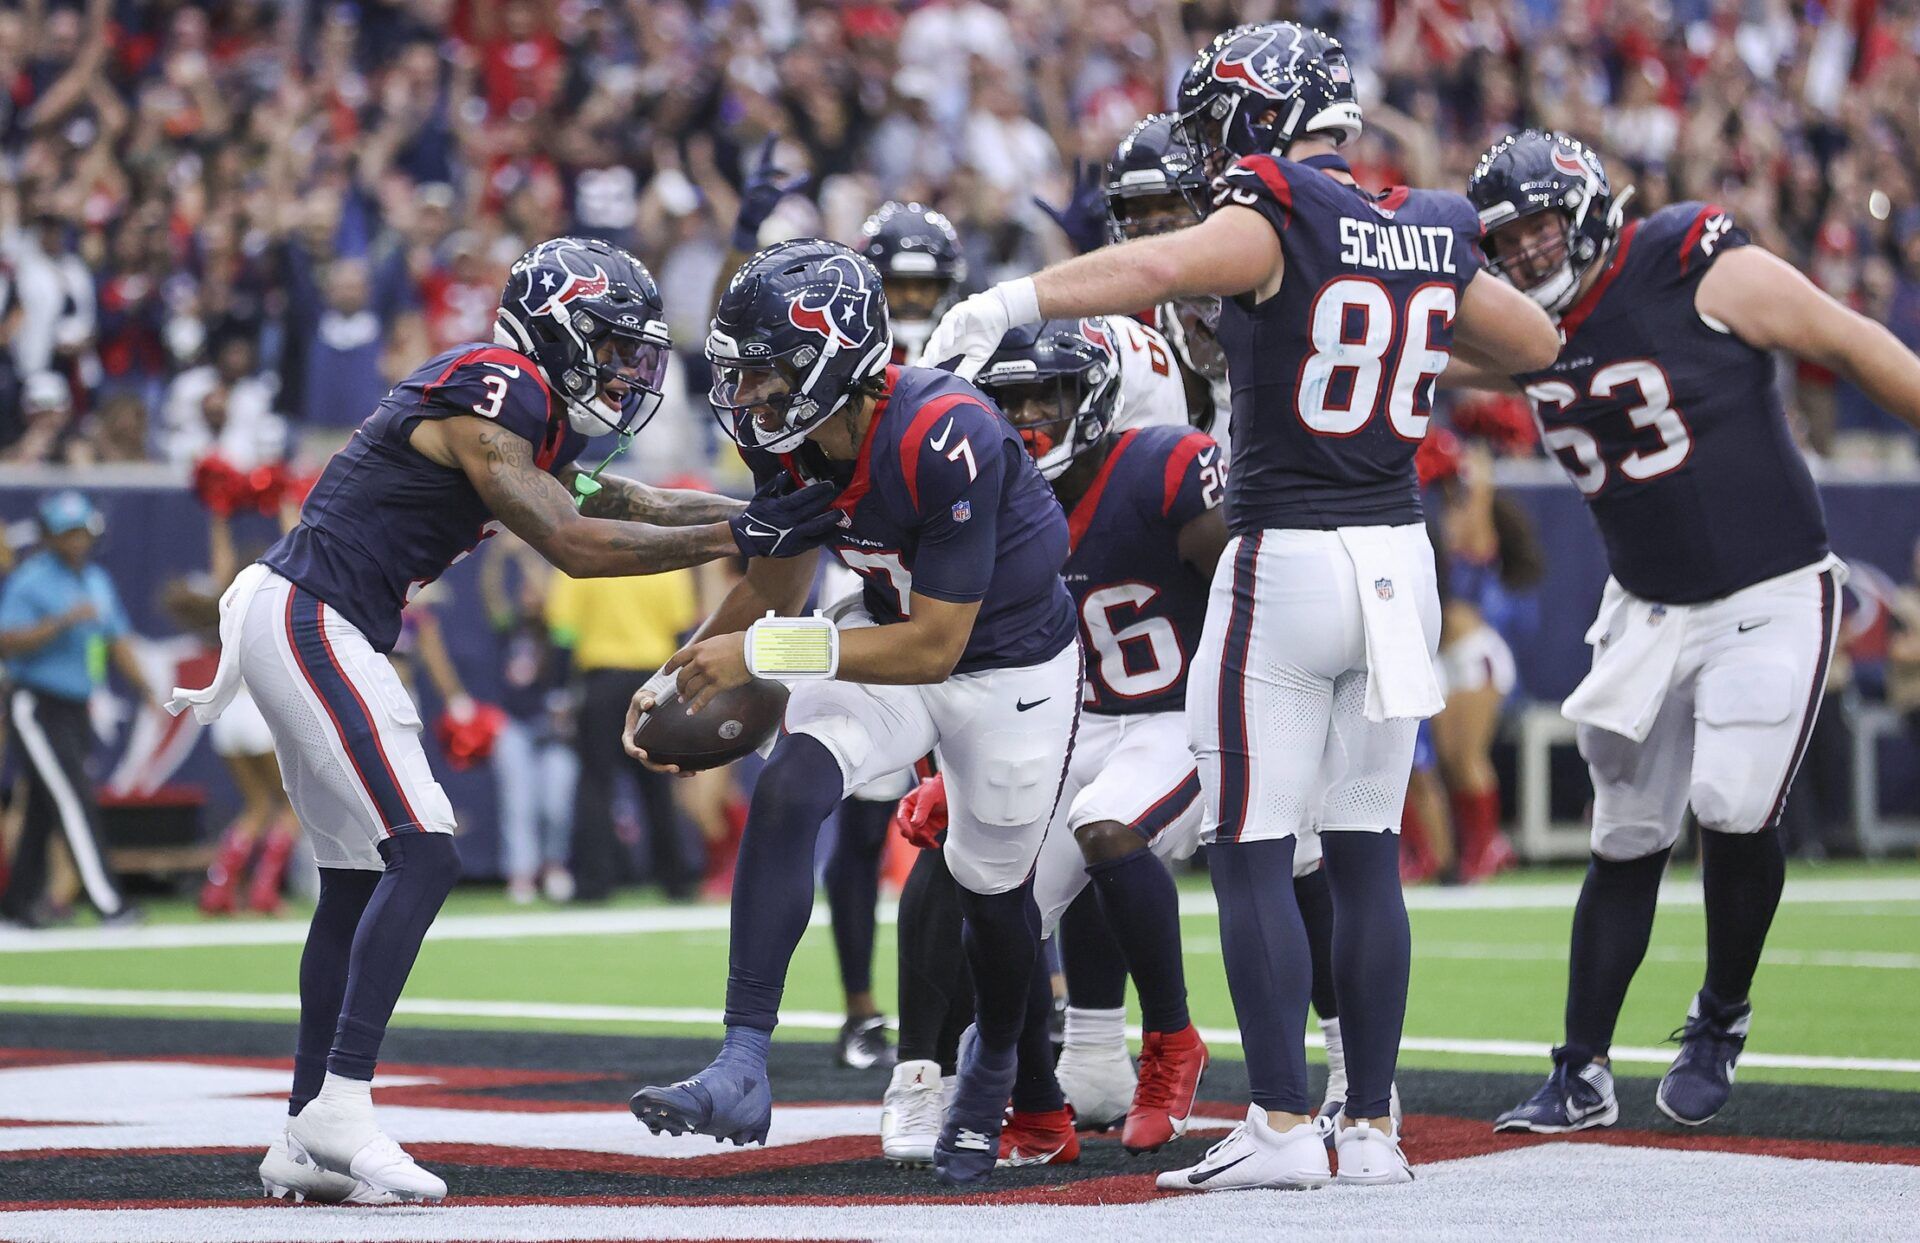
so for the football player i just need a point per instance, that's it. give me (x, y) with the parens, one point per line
(1339, 309)
(1717, 625)
(921, 266)
(479, 437)
(965, 646)
(1155, 185)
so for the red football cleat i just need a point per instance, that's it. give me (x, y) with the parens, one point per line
(1039, 1138)
(1171, 1064)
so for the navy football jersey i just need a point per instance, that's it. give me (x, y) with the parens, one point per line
(1141, 606)
(945, 502)
(383, 521)
(1672, 428)
(1333, 376)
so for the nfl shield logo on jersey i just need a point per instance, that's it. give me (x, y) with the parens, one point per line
(962, 511)
(1383, 587)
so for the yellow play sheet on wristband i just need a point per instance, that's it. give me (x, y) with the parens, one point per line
(806, 648)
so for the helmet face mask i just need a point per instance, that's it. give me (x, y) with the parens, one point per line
(1155, 182)
(589, 315)
(1547, 214)
(1058, 389)
(1148, 215)
(918, 255)
(801, 328)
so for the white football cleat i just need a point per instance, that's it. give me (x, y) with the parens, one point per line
(1254, 1155)
(1098, 1080)
(911, 1113)
(1370, 1158)
(336, 1131)
(283, 1178)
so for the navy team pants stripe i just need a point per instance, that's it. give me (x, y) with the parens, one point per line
(352, 722)
(1235, 778)
(1829, 592)
(1168, 808)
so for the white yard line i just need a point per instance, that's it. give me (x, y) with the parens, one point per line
(1865, 959)
(640, 1016)
(603, 923)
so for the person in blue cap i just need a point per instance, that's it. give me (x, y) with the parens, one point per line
(61, 622)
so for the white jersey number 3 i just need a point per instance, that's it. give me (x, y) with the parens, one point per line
(1357, 334)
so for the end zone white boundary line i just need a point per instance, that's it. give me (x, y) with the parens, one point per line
(603, 923)
(642, 1016)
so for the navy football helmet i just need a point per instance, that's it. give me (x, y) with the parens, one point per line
(1058, 384)
(1258, 89)
(590, 317)
(1154, 181)
(1533, 172)
(921, 267)
(800, 329)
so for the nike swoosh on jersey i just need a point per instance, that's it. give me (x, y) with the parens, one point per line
(940, 442)
(1753, 625)
(1022, 706)
(512, 373)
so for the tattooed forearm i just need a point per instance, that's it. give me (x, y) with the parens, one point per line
(631, 501)
(536, 506)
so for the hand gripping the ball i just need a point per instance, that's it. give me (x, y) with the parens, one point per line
(921, 817)
(966, 337)
(781, 521)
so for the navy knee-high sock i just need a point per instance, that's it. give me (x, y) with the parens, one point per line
(1002, 934)
(1315, 898)
(852, 882)
(1265, 947)
(1035, 1090)
(422, 869)
(344, 894)
(1372, 950)
(1142, 909)
(1612, 923)
(773, 878)
(936, 997)
(1742, 874)
(1090, 957)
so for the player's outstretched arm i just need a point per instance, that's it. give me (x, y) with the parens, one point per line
(1498, 328)
(629, 500)
(1233, 251)
(1202, 540)
(535, 506)
(1771, 305)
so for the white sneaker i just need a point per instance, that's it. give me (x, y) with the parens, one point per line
(911, 1113)
(336, 1131)
(283, 1177)
(1371, 1158)
(1098, 1081)
(1255, 1155)
(1333, 1114)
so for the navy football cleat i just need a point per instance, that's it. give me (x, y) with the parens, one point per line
(730, 1099)
(1572, 1099)
(1698, 1083)
(969, 1143)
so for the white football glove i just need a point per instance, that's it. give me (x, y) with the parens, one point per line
(971, 331)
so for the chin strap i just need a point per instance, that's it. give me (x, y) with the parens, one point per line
(587, 485)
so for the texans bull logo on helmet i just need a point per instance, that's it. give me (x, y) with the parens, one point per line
(548, 295)
(1258, 66)
(828, 309)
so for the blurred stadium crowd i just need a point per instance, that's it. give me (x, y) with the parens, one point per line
(221, 221)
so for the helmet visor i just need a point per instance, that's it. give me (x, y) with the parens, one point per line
(1046, 412)
(1148, 214)
(753, 400)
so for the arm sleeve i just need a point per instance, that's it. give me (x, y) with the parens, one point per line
(1195, 478)
(960, 514)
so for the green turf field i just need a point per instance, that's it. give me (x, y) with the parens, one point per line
(1842, 980)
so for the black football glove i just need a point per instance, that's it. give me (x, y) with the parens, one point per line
(1083, 218)
(783, 522)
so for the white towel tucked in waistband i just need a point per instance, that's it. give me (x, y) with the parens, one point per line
(1636, 645)
(1400, 679)
(210, 701)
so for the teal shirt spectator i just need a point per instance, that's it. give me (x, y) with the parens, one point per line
(74, 661)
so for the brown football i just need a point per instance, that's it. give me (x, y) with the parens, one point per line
(733, 724)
